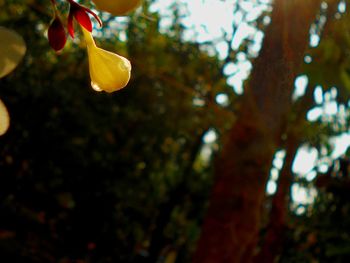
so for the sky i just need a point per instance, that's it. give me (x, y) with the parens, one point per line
(211, 20)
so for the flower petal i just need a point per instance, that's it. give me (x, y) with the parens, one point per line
(12, 50)
(94, 15)
(83, 18)
(4, 118)
(117, 7)
(56, 34)
(70, 25)
(108, 71)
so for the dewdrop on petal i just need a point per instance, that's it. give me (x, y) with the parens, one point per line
(108, 71)
(4, 119)
(95, 87)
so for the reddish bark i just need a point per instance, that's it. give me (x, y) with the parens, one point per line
(231, 226)
(274, 238)
(273, 241)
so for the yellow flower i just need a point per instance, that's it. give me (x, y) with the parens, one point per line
(108, 71)
(12, 50)
(117, 7)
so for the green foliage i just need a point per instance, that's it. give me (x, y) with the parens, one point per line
(330, 66)
(102, 177)
(84, 174)
(321, 235)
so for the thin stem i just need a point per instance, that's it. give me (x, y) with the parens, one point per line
(54, 6)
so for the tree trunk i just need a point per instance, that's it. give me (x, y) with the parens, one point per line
(274, 238)
(231, 226)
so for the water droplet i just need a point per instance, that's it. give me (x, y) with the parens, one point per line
(96, 87)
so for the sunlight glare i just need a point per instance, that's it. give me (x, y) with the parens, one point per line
(340, 144)
(274, 174)
(314, 114)
(318, 95)
(210, 136)
(271, 187)
(300, 84)
(303, 195)
(222, 99)
(305, 160)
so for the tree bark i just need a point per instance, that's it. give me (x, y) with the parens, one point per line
(273, 241)
(274, 238)
(231, 226)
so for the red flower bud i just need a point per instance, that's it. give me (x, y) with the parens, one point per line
(56, 34)
(80, 13)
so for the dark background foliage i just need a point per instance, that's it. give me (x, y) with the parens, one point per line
(86, 175)
(123, 177)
